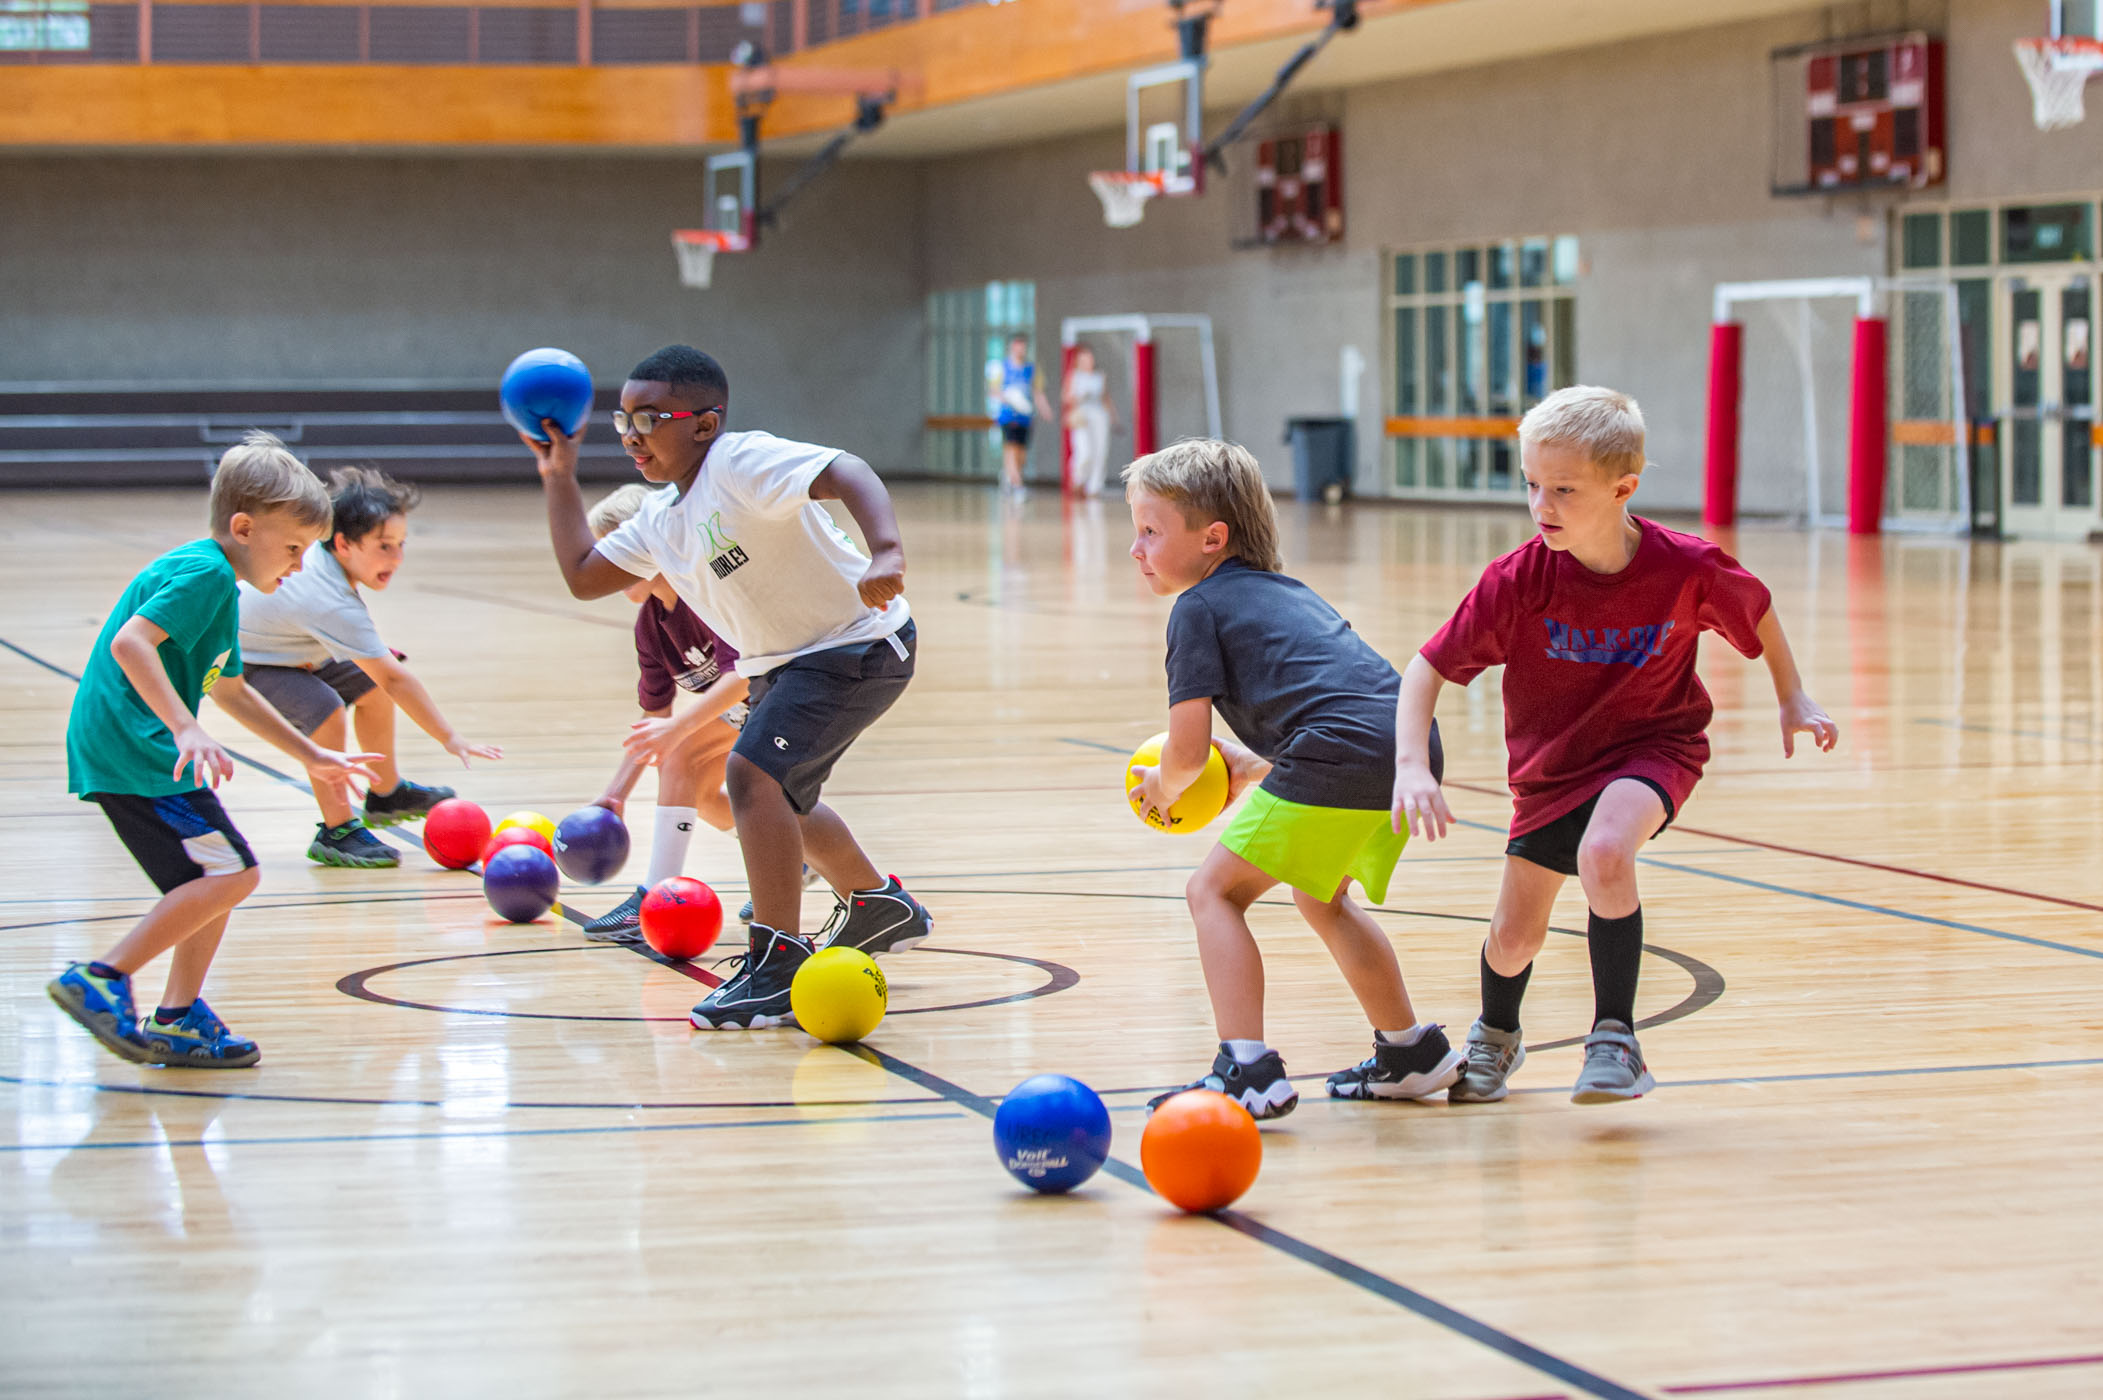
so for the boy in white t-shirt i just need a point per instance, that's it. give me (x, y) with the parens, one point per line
(822, 633)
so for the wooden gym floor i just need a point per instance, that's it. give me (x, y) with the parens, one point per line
(481, 1159)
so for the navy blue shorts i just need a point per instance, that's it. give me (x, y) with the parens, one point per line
(807, 712)
(179, 838)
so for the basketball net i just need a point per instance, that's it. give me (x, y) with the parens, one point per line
(697, 249)
(2057, 69)
(1124, 194)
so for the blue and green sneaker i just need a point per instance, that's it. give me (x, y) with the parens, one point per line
(103, 1007)
(200, 1040)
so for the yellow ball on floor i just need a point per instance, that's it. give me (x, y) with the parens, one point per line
(1205, 799)
(533, 821)
(839, 995)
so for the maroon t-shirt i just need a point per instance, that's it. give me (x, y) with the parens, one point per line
(1599, 676)
(675, 651)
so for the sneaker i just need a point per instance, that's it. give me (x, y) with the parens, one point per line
(1401, 1071)
(1613, 1066)
(351, 845)
(1261, 1088)
(757, 996)
(406, 803)
(200, 1040)
(810, 877)
(103, 1007)
(621, 924)
(877, 922)
(1493, 1056)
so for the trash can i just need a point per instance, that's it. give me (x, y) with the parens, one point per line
(1322, 454)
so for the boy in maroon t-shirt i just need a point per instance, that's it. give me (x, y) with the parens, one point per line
(674, 651)
(1595, 621)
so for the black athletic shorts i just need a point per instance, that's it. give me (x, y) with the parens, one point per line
(309, 697)
(1554, 846)
(1017, 433)
(805, 713)
(177, 839)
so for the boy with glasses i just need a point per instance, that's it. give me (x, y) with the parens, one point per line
(822, 631)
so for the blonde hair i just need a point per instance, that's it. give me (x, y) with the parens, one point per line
(1209, 480)
(1604, 424)
(258, 474)
(617, 508)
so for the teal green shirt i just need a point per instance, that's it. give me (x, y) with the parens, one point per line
(114, 743)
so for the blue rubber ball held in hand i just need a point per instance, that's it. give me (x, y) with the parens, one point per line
(546, 383)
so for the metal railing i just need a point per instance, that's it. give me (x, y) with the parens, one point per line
(571, 32)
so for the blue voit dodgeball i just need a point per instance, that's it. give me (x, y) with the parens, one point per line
(521, 883)
(546, 383)
(591, 845)
(1051, 1133)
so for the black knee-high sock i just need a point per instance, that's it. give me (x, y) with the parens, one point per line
(1617, 956)
(1501, 995)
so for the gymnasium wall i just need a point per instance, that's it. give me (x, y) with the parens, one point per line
(228, 269)
(1654, 152)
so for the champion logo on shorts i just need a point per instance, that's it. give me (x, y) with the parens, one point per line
(780, 743)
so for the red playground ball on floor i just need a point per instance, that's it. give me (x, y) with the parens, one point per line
(1201, 1151)
(521, 883)
(455, 833)
(518, 836)
(682, 917)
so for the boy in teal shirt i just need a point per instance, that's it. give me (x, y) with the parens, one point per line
(172, 639)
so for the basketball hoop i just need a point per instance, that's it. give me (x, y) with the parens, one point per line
(697, 249)
(2057, 69)
(1124, 193)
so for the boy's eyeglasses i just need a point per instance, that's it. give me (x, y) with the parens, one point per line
(641, 423)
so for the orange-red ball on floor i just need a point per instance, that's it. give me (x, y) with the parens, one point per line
(681, 917)
(455, 832)
(1201, 1151)
(518, 836)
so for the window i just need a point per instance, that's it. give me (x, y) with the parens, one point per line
(968, 329)
(43, 26)
(1478, 335)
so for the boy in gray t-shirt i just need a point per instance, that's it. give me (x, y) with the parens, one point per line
(313, 651)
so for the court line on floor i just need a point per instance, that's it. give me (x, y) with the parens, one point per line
(2004, 731)
(1905, 1373)
(1335, 1265)
(1808, 854)
(603, 1130)
(155, 1091)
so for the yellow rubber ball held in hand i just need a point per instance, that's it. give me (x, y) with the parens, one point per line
(839, 995)
(533, 821)
(1205, 799)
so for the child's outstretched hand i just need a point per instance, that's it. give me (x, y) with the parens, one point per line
(651, 739)
(198, 751)
(328, 766)
(1420, 805)
(884, 579)
(464, 751)
(558, 455)
(1801, 715)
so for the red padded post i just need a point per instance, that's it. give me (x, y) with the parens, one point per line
(1719, 502)
(1143, 428)
(1066, 353)
(1868, 429)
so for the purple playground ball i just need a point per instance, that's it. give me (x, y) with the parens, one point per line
(521, 883)
(591, 845)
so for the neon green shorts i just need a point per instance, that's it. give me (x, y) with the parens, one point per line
(1315, 849)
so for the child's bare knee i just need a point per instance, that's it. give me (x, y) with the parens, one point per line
(1605, 858)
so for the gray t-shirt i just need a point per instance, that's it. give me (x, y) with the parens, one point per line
(1295, 682)
(313, 618)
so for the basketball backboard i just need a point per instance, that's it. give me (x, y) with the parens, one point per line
(729, 187)
(1164, 124)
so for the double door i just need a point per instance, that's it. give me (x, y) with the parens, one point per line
(2045, 382)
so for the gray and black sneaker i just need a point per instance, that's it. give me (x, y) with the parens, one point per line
(1493, 1057)
(877, 922)
(407, 803)
(757, 996)
(351, 845)
(810, 877)
(1261, 1088)
(1614, 1068)
(621, 924)
(1401, 1071)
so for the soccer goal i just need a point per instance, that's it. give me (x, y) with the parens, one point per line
(1161, 378)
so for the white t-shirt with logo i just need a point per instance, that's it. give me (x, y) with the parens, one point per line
(748, 549)
(313, 618)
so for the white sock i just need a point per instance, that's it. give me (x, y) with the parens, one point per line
(1408, 1037)
(1245, 1052)
(675, 828)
